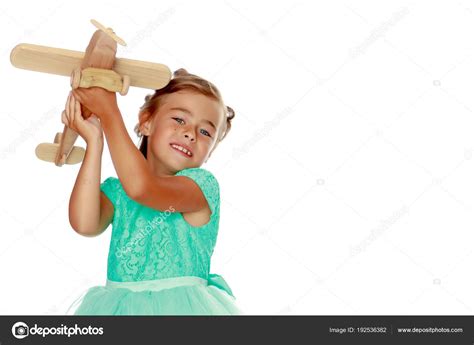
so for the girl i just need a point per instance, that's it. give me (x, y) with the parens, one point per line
(163, 207)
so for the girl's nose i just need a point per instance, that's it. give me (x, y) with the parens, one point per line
(189, 137)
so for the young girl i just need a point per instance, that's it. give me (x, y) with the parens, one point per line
(163, 207)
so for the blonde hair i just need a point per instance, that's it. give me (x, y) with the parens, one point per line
(182, 80)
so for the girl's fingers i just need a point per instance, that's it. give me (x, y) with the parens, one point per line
(64, 118)
(77, 94)
(77, 109)
(71, 108)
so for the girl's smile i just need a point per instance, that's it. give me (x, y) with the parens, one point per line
(183, 149)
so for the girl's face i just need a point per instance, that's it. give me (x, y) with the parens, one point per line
(183, 132)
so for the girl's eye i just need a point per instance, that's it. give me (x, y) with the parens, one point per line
(207, 133)
(177, 118)
(203, 131)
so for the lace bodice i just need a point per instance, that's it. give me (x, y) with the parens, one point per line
(150, 244)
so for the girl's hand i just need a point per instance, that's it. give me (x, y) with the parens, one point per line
(90, 129)
(99, 101)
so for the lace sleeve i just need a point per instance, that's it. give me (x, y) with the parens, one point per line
(208, 184)
(110, 187)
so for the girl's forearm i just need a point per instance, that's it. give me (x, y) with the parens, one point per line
(129, 163)
(84, 204)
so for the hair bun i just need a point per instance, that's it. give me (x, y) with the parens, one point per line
(180, 72)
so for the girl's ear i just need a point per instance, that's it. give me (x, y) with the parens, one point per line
(145, 128)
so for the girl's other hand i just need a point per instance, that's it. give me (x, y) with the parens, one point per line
(99, 101)
(90, 129)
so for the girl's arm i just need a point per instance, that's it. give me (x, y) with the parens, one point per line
(90, 212)
(132, 169)
(160, 193)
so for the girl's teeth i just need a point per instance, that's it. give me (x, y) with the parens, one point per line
(182, 149)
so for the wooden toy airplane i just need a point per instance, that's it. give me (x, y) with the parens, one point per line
(98, 66)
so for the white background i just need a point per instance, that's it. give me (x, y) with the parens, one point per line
(346, 180)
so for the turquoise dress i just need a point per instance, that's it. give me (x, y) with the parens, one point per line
(158, 264)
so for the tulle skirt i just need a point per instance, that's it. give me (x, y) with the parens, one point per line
(186, 295)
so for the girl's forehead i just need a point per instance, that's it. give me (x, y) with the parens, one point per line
(194, 103)
(190, 99)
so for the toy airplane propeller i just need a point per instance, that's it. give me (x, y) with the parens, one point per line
(98, 66)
